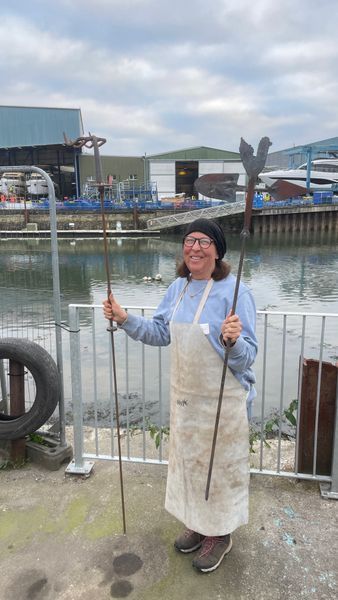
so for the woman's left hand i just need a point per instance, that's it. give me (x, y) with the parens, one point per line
(231, 328)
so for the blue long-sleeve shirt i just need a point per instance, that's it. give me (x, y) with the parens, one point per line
(156, 331)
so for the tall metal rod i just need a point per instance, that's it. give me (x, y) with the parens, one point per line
(253, 166)
(92, 141)
(99, 180)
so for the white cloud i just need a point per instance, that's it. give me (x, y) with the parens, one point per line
(152, 75)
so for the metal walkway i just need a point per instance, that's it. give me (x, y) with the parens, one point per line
(187, 217)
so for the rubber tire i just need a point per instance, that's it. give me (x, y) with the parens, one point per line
(47, 383)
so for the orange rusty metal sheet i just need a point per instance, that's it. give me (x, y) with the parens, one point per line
(326, 417)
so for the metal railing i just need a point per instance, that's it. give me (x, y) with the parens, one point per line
(55, 286)
(286, 341)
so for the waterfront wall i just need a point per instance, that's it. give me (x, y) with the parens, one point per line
(302, 219)
(16, 220)
(78, 220)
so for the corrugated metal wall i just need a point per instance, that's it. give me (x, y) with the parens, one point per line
(123, 167)
(32, 126)
(163, 172)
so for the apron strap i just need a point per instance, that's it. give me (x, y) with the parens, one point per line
(201, 304)
(179, 300)
(203, 300)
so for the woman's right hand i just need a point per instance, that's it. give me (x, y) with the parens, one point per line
(114, 311)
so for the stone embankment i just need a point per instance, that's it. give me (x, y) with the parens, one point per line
(304, 219)
(39, 220)
(16, 220)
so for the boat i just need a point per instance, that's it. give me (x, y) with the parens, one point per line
(13, 184)
(323, 175)
(37, 185)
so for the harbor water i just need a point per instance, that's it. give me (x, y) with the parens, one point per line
(285, 273)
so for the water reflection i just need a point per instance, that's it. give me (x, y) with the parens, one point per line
(281, 271)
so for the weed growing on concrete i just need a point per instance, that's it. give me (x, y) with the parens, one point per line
(272, 425)
(270, 428)
(9, 465)
(157, 433)
(37, 439)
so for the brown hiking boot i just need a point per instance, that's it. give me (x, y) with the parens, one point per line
(188, 541)
(212, 553)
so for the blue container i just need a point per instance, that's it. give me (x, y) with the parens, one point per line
(258, 202)
(324, 197)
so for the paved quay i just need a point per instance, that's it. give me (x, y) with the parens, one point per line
(61, 538)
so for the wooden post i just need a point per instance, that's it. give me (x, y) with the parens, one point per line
(17, 405)
(135, 217)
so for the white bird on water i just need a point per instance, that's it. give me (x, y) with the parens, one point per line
(157, 277)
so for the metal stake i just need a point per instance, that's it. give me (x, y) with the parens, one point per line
(94, 142)
(253, 166)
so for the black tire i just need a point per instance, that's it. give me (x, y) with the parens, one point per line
(47, 383)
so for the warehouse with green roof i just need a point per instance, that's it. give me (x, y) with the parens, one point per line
(36, 136)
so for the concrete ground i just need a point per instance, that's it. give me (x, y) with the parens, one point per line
(61, 538)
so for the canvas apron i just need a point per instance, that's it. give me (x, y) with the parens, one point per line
(196, 371)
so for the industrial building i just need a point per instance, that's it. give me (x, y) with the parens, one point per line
(175, 172)
(171, 173)
(293, 157)
(35, 136)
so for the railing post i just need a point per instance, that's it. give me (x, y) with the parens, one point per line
(77, 465)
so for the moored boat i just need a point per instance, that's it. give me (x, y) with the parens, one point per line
(37, 185)
(13, 184)
(323, 175)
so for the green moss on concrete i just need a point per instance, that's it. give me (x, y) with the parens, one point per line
(16, 527)
(75, 514)
(176, 572)
(107, 523)
(160, 588)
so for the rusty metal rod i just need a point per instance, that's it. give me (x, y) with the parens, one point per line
(253, 166)
(99, 180)
(111, 329)
(244, 235)
(92, 141)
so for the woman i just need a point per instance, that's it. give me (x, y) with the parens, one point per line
(195, 318)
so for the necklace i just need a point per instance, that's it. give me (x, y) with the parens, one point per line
(198, 291)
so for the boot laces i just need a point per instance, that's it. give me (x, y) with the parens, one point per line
(209, 543)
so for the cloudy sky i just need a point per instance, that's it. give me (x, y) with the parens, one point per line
(157, 75)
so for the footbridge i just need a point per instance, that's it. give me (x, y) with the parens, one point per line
(187, 217)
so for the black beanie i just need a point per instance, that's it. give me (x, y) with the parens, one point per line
(213, 230)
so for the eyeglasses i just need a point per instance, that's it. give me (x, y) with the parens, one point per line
(189, 241)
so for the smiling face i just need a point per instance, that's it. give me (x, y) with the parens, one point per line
(200, 261)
